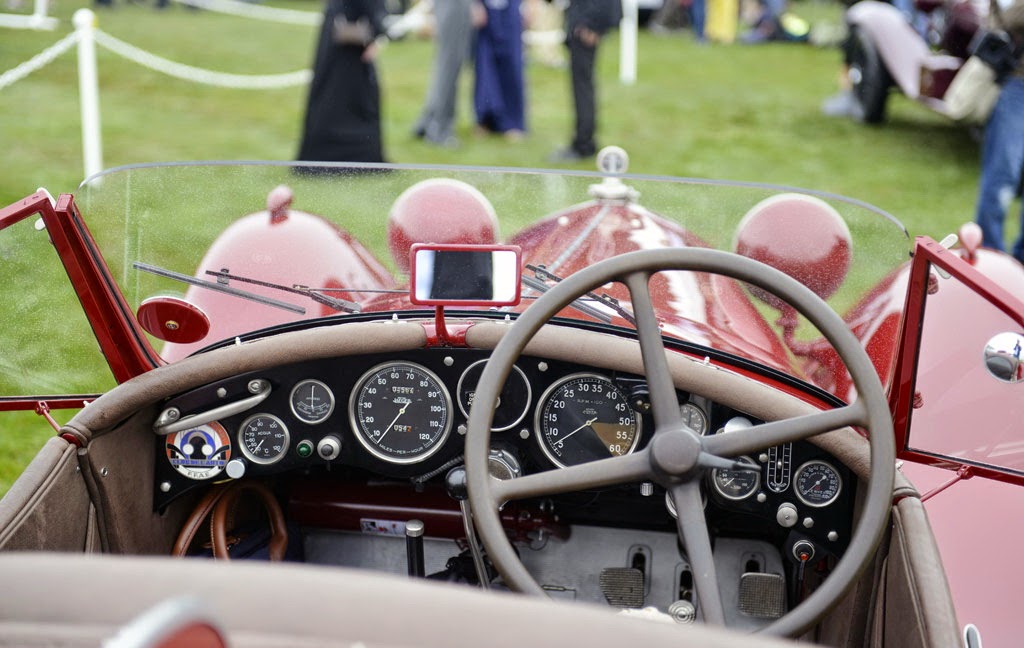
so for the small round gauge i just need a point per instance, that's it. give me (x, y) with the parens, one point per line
(263, 438)
(694, 418)
(513, 401)
(585, 417)
(817, 483)
(401, 412)
(311, 401)
(736, 484)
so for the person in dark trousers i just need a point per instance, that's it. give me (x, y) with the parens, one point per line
(343, 113)
(586, 22)
(499, 95)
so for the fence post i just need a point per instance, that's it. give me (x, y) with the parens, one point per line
(88, 92)
(628, 41)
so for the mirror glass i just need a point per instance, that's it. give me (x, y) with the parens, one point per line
(1002, 357)
(478, 276)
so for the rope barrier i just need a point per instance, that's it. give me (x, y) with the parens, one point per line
(199, 75)
(247, 10)
(21, 71)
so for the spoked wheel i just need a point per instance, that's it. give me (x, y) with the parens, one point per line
(677, 458)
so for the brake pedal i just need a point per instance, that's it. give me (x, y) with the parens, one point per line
(623, 586)
(762, 595)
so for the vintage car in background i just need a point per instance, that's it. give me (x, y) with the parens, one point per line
(627, 394)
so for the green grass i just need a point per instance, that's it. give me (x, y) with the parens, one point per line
(746, 113)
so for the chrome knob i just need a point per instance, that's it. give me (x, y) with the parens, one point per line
(329, 447)
(786, 515)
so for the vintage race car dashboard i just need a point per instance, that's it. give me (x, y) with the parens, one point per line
(399, 419)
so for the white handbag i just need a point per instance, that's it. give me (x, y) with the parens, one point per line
(973, 93)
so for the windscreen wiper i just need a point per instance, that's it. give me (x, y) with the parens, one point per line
(336, 303)
(218, 287)
(542, 274)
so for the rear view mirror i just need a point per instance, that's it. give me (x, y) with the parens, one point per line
(465, 275)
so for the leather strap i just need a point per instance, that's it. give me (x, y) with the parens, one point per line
(218, 504)
(224, 510)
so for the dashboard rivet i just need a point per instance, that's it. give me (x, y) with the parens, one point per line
(542, 366)
(165, 487)
(462, 429)
(833, 536)
(171, 325)
(763, 457)
(524, 434)
(221, 392)
(808, 522)
(255, 386)
(762, 498)
(104, 472)
(449, 361)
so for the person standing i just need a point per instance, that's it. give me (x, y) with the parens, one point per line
(1002, 151)
(586, 22)
(453, 38)
(499, 96)
(343, 112)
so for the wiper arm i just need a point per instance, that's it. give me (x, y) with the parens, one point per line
(213, 285)
(607, 300)
(313, 293)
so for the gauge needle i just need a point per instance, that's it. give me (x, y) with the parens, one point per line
(257, 448)
(392, 424)
(587, 424)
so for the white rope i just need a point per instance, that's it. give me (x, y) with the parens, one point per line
(247, 10)
(199, 75)
(19, 72)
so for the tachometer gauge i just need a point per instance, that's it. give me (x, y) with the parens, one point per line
(694, 417)
(311, 401)
(736, 484)
(817, 483)
(401, 412)
(263, 438)
(585, 417)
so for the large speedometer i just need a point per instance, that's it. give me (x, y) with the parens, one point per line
(586, 417)
(401, 412)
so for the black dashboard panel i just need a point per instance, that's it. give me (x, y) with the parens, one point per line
(291, 431)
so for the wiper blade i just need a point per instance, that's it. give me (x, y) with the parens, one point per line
(313, 293)
(218, 287)
(607, 300)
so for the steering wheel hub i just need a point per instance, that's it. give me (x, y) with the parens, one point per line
(674, 454)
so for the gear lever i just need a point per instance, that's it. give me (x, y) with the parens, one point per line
(455, 483)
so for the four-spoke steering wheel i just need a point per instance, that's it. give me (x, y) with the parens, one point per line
(676, 457)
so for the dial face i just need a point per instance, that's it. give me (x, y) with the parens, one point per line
(817, 483)
(401, 412)
(513, 401)
(311, 401)
(263, 438)
(736, 484)
(585, 417)
(694, 417)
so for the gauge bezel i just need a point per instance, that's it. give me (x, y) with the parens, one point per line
(796, 483)
(538, 433)
(291, 401)
(703, 415)
(361, 435)
(260, 460)
(753, 490)
(526, 407)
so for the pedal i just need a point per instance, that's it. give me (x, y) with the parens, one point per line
(623, 586)
(762, 595)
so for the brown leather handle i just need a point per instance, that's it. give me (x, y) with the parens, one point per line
(222, 512)
(218, 504)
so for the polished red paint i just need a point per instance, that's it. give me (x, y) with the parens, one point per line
(439, 210)
(121, 339)
(173, 319)
(285, 247)
(800, 235)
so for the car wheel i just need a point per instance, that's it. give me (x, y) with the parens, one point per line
(869, 76)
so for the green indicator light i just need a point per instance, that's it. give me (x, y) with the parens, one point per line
(304, 449)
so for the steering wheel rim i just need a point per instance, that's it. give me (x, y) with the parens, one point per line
(676, 457)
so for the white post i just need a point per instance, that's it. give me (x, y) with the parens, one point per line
(88, 91)
(627, 41)
(39, 15)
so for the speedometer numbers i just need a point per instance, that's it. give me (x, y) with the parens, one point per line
(401, 412)
(817, 483)
(586, 417)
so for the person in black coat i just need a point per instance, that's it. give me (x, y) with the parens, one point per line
(343, 113)
(586, 22)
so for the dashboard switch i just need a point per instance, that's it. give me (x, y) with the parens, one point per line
(329, 447)
(786, 516)
(235, 469)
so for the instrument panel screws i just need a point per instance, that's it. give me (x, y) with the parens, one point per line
(763, 457)
(808, 522)
(449, 361)
(172, 414)
(462, 429)
(104, 472)
(221, 392)
(524, 434)
(833, 536)
(165, 487)
(255, 386)
(542, 366)
(762, 498)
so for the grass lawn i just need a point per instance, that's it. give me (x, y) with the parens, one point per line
(736, 112)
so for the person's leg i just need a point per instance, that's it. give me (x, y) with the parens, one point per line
(1002, 161)
(584, 97)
